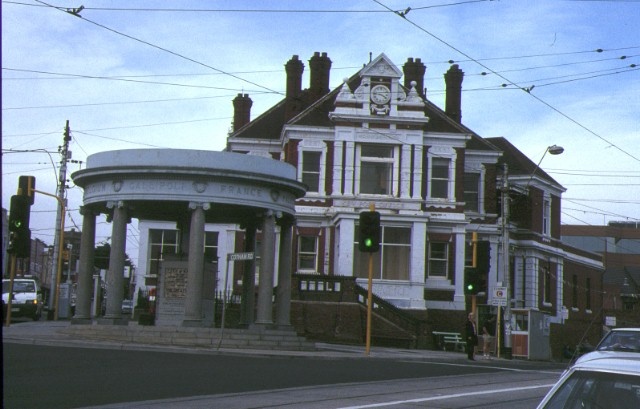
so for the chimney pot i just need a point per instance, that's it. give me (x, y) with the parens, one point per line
(453, 79)
(320, 66)
(241, 111)
(414, 71)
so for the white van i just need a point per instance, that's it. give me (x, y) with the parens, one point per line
(26, 300)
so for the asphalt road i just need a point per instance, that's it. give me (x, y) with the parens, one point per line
(37, 376)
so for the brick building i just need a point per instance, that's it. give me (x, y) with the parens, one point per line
(377, 139)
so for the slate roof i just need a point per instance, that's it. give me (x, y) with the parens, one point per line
(519, 163)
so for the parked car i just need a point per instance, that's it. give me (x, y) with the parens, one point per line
(616, 341)
(26, 300)
(598, 382)
(127, 307)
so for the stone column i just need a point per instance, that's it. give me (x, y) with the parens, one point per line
(85, 274)
(115, 275)
(249, 278)
(283, 293)
(264, 314)
(193, 301)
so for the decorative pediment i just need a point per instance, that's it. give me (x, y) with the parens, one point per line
(381, 66)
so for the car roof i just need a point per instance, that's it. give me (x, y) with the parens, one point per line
(618, 362)
(625, 330)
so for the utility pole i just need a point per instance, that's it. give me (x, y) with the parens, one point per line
(505, 259)
(58, 244)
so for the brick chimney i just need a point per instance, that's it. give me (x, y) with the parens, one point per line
(241, 111)
(414, 71)
(453, 79)
(294, 68)
(320, 67)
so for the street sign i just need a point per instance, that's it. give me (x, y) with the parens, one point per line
(499, 296)
(240, 256)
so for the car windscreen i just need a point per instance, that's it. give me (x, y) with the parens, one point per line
(597, 390)
(621, 341)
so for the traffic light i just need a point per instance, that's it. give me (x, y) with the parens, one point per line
(19, 213)
(471, 279)
(369, 237)
(27, 184)
(20, 242)
(483, 256)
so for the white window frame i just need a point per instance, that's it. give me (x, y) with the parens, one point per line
(478, 193)
(430, 258)
(395, 171)
(447, 154)
(314, 253)
(546, 216)
(313, 146)
(386, 246)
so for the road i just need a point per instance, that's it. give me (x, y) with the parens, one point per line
(37, 376)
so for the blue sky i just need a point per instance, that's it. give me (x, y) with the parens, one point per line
(129, 75)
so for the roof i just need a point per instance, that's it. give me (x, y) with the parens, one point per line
(269, 124)
(518, 162)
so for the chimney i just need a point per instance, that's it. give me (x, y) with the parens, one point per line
(320, 66)
(453, 80)
(241, 111)
(294, 68)
(414, 71)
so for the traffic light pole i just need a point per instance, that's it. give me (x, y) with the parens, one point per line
(372, 208)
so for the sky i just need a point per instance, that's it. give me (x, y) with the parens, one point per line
(162, 74)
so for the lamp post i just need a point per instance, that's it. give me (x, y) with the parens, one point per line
(506, 268)
(554, 150)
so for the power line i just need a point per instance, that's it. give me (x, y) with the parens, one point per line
(510, 82)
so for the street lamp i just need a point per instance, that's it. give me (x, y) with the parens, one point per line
(554, 150)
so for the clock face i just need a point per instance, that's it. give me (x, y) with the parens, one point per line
(380, 94)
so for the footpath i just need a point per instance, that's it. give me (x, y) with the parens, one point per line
(63, 334)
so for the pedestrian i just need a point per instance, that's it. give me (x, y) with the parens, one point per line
(487, 335)
(471, 334)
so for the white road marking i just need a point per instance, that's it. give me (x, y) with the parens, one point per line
(441, 397)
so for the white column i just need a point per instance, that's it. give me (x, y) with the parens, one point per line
(264, 314)
(115, 275)
(193, 301)
(86, 263)
(337, 167)
(349, 169)
(405, 171)
(417, 172)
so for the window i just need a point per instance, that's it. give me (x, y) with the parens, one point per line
(162, 242)
(546, 276)
(472, 192)
(211, 247)
(440, 178)
(574, 291)
(307, 253)
(392, 262)
(311, 170)
(588, 294)
(546, 217)
(438, 257)
(378, 166)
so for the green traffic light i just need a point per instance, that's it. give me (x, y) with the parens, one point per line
(368, 242)
(470, 287)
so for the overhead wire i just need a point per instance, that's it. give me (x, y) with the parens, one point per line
(539, 99)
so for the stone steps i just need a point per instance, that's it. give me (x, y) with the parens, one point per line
(258, 338)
